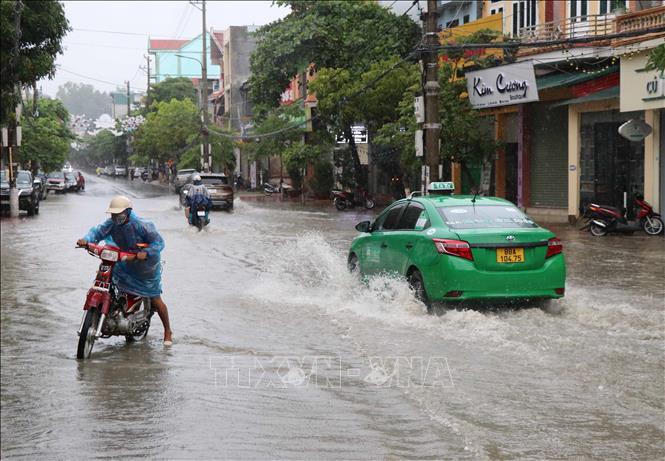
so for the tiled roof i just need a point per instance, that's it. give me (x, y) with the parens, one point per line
(168, 44)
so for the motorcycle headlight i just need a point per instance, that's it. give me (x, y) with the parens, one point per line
(109, 255)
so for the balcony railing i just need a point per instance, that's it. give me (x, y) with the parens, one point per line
(593, 25)
(641, 20)
(578, 26)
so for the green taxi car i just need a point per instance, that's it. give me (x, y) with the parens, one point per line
(461, 247)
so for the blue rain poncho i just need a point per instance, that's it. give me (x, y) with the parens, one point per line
(141, 278)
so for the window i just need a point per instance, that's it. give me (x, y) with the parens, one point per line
(579, 8)
(607, 6)
(411, 218)
(466, 19)
(525, 14)
(391, 218)
(485, 217)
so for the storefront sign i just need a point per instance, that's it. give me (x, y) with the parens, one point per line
(641, 89)
(502, 86)
(359, 133)
(635, 130)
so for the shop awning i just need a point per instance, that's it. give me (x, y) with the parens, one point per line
(567, 79)
(608, 93)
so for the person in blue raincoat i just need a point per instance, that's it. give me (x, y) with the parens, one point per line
(143, 277)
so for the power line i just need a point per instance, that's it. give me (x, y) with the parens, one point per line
(116, 84)
(548, 43)
(110, 32)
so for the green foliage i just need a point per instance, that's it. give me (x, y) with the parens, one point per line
(376, 98)
(179, 88)
(656, 59)
(168, 132)
(297, 156)
(279, 121)
(331, 34)
(323, 180)
(42, 27)
(46, 137)
(104, 148)
(222, 155)
(82, 98)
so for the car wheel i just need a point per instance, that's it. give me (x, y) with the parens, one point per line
(418, 286)
(37, 207)
(352, 264)
(31, 208)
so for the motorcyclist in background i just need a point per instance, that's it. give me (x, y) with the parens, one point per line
(143, 277)
(197, 195)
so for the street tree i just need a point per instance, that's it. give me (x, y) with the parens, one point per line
(278, 130)
(46, 136)
(42, 27)
(168, 132)
(172, 88)
(332, 34)
(372, 98)
(84, 99)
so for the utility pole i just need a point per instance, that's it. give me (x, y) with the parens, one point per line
(432, 125)
(147, 98)
(204, 94)
(13, 192)
(128, 100)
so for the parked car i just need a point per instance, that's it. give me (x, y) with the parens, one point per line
(455, 248)
(181, 177)
(138, 171)
(119, 170)
(109, 171)
(28, 192)
(56, 182)
(221, 191)
(70, 182)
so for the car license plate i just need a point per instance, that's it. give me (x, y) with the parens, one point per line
(201, 213)
(510, 255)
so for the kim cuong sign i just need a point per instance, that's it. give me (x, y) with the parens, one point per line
(502, 86)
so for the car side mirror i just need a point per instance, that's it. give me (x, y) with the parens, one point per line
(364, 226)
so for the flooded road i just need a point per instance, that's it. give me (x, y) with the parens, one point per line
(279, 353)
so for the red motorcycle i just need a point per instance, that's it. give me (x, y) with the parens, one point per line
(108, 311)
(604, 219)
(343, 199)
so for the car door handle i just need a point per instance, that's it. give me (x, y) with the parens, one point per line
(384, 245)
(409, 246)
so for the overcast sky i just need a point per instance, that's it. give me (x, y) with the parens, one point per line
(106, 60)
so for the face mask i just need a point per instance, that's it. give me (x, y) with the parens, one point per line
(120, 218)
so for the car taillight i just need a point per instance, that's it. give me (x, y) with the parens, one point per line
(458, 248)
(554, 247)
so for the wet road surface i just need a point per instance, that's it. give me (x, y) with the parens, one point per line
(280, 353)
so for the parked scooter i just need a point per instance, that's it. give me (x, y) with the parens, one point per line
(604, 219)
(108, 311)
(285, 189)
(343, 199)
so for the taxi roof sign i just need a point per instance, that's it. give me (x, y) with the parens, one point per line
(441, 186)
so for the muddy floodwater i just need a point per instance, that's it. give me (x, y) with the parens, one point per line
(280, 353)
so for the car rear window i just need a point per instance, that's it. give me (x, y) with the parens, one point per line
(214, 181)
(484, 217)
(56, 174)
(23, 178)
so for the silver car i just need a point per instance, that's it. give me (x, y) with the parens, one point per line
(181, 178)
